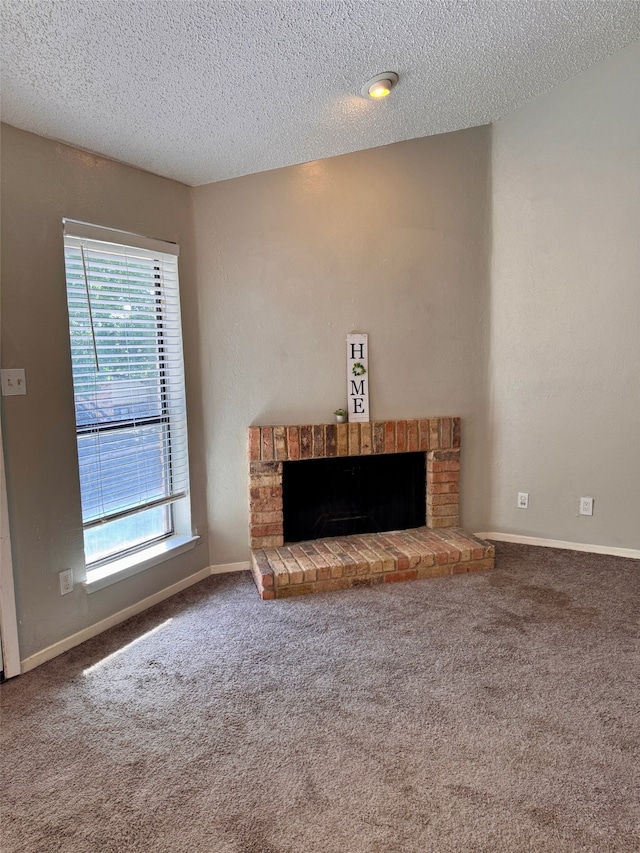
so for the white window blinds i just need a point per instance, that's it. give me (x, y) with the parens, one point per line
(128, 377)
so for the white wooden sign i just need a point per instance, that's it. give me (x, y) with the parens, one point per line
(358, 377)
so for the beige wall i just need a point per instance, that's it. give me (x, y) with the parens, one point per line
(565, 309)
(392, 241)
(43, 181)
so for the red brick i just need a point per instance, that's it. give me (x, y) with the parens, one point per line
(434, 433)
(260, 565)
(412, 436)
(366, 439)
(454, 553)
(318, 560)
(309, 570)
(256, 468)
(452, 521)
(265, 517)
(332, 585)
(480, 565)
(445, 433)
(455, 432)
(445, 477)
(441, 500)
(441, 511)
(409, 575)
(272, 504)
(267, 444)
(306, 442)
(280, 573)
(259, 481)
(259, 493)
(342, 439)
(371, 580)
(426, 551)
(354, 439)
(349, 564)
(436, 488)
(350, 547)
(423, 434)
(273, 529)
(298, 589)
(331, 439)
(253, 442)
(378, 437)
(439, 467)
(451, 537)
(445, 455)
(402, 542)
(389, 436)
(400, 559)
(265, 541)
(293, 443)
(436, 571)
(268, 595)
(401, 436)
(318, 441)
(296, 575)
(336, 570)
(280, 443)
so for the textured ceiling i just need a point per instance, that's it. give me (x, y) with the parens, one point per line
(202, 90)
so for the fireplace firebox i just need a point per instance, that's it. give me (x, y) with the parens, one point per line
(353, 495)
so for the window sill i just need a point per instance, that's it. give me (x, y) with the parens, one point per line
(140, 561)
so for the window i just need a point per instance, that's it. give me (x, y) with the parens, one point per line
(128, 380)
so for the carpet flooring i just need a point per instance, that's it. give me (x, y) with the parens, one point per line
(498, 711)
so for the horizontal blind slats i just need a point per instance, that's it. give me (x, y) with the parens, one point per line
(126, 349)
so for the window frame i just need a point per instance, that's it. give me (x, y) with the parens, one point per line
(177, 536)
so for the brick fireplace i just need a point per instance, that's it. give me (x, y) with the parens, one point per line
(281, 570)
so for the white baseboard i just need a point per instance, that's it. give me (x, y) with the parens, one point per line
(229, 567)
(631, 553)
(93, 630)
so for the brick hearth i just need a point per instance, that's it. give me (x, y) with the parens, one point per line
(437, 549)
(323, 565)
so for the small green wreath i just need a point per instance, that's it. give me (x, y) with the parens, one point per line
(358, 369)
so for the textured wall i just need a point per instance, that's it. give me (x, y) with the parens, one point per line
(42, 181)
(392, 241)
(565, 309)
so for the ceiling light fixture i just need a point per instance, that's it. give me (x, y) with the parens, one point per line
(380, 85)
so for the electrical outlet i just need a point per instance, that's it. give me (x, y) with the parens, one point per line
(66, 582)
(586, 506)
(523, 500)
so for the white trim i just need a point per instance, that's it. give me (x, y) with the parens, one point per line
(8, 618)
(223, 568)
(85, 231)
(631, 553)
(139, 561)
(93, 630)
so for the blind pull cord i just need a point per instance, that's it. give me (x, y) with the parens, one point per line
(86, 287)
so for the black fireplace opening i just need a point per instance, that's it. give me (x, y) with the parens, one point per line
(353, 495)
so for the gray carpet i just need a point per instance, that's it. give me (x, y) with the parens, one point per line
(490, 712)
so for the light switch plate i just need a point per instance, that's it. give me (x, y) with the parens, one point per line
(13, 382)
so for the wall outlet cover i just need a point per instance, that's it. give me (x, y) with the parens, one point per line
(66, 582)
(523, 500)
(586, 506)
